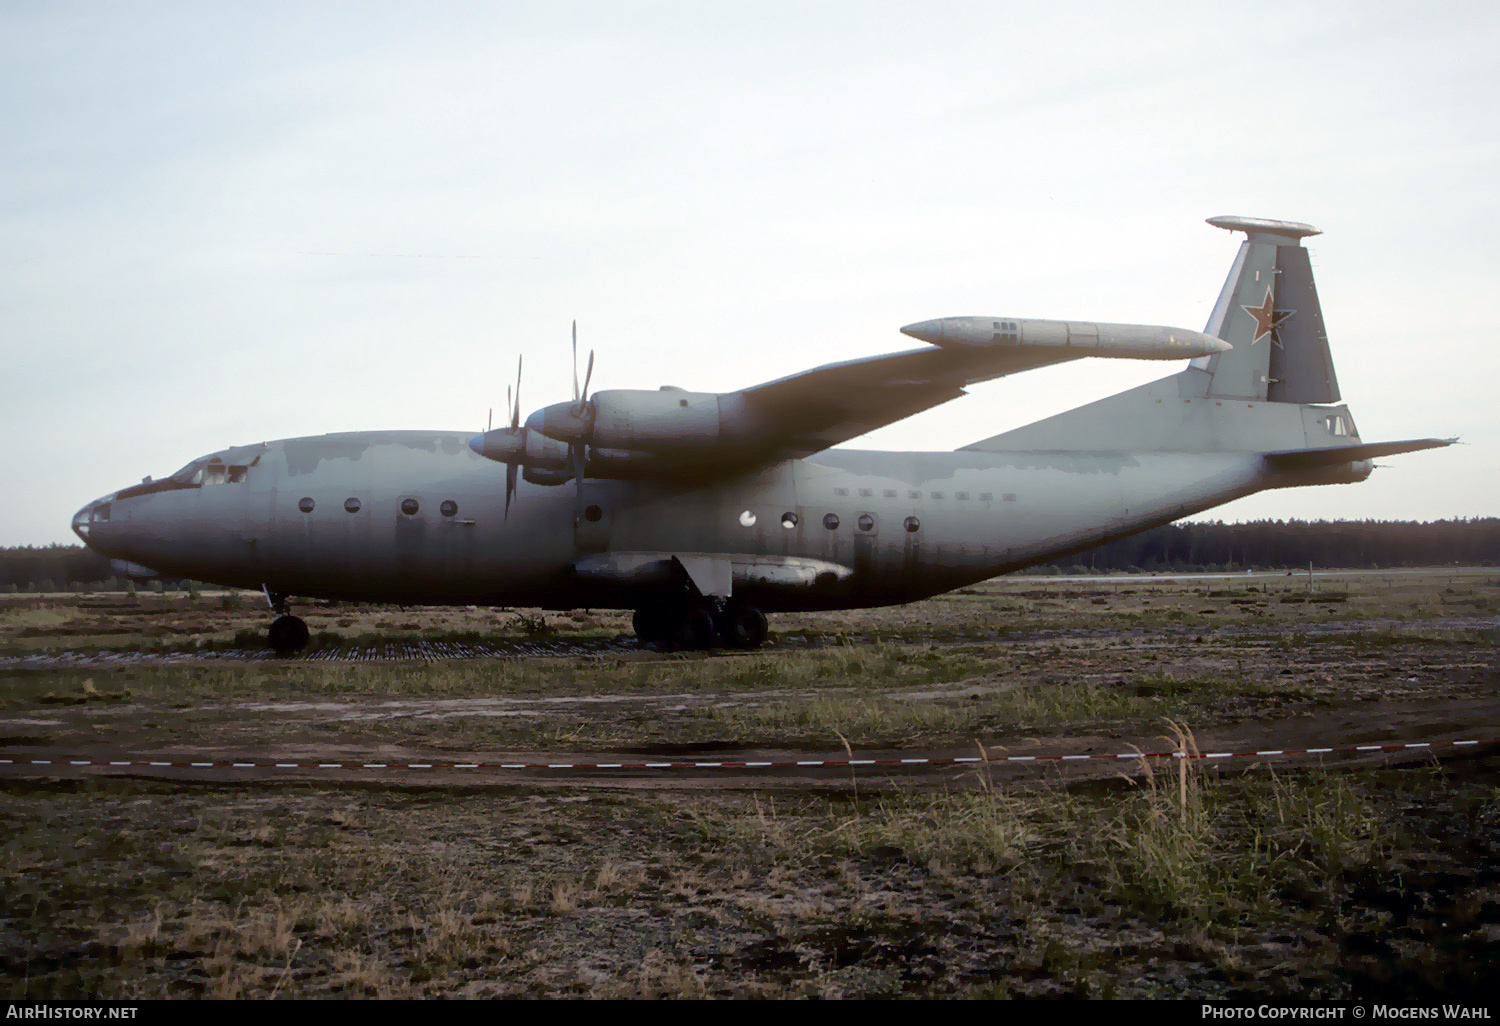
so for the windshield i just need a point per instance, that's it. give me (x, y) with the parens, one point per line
(229, 466)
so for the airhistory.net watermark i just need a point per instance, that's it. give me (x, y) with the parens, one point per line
(25, 1011)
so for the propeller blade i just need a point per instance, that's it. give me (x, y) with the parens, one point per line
(515, 411)
(587, 377)
(575, 458)
(511, 470)
(490, 420)
(575, 361)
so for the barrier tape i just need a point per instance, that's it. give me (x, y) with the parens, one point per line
(735, 763)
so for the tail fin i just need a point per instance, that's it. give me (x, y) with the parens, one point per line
(1268, 310)
(1263, 395)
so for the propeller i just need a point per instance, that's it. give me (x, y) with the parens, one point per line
(512, 469)
(580, 401)
(576, 452)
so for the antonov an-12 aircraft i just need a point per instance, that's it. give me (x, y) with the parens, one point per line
(703, 512)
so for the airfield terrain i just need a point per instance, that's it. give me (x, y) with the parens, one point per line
(1368, 875)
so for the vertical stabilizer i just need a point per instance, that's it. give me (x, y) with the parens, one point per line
(1268, 310)
(1271, 392)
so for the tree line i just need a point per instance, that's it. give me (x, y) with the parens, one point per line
(1208, 545)
(1289, 544)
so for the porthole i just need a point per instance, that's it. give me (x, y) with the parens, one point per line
(788, 520)
(305, 504)
(831, 521)
(911, 524)
(409, 507)
(747, 519)
(866, 522)
(448, 508)
(351, 505)
(593, 514)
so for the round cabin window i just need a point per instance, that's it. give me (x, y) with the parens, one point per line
(409, 507)
(351, 505)
(593, 514)
(747, 519)
(831, 521)
(305, 504)
(788, 520)
(911, 524)
(448, 508)
(866, 522)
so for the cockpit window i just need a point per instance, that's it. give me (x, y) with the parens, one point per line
(209, 470)
(215, 474)
(1340, 424)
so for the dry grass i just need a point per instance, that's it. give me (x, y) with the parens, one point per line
(1180, 880)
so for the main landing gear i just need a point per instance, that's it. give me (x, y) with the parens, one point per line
(288, 634)
(690, 626)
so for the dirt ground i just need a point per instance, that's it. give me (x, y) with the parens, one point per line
(1340, 875)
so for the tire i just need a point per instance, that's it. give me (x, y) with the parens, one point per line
(654, 623)
(288, 635)
(743, 627)
(695, 630)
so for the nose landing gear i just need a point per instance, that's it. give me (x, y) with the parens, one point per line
(288, 634)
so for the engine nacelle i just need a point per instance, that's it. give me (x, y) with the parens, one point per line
(639, 422)
(631, 419)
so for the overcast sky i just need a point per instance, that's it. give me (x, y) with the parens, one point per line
(230, 222)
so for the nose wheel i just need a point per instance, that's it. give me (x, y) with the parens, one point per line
(288, 634)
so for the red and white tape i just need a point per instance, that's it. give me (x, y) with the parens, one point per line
(727, 763)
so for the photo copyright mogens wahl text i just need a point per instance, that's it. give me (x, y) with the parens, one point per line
(1354, 1012)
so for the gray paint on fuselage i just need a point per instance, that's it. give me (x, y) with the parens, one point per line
(305, 455)
(1040, 504)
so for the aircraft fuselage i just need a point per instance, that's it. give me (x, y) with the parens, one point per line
(417, 518)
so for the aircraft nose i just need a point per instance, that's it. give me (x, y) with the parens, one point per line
(96, 512)
(81, 522)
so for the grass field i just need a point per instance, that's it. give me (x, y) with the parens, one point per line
(1367, 878)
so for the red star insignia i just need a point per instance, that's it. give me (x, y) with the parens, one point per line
(1267, 318)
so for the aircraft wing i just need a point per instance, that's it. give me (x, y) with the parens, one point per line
(634, 433)
(825, 406)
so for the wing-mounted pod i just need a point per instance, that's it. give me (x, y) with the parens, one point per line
(1081, 338)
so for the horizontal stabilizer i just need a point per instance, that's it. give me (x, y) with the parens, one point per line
(1307, 459)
